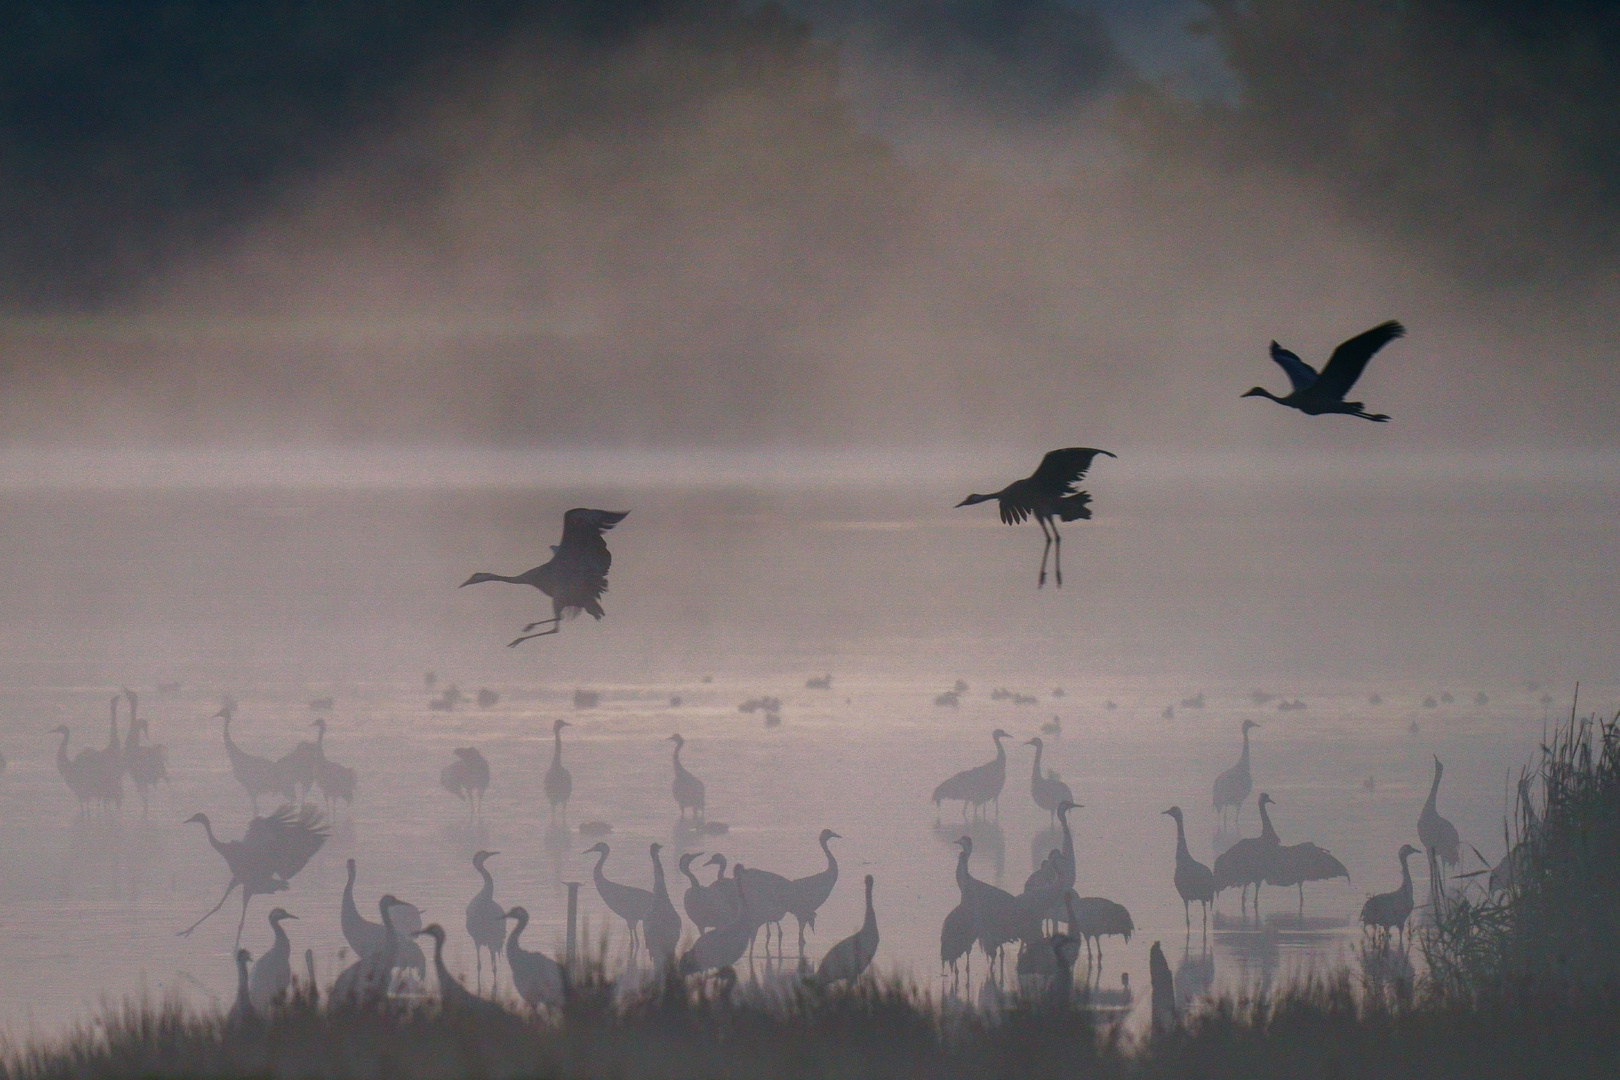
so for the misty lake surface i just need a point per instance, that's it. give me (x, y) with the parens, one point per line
(1184, 589)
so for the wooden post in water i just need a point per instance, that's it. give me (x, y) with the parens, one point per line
(573, 922)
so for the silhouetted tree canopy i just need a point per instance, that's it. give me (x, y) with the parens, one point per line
(1490, 125)
(131, 132)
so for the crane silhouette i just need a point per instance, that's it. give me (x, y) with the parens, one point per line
(807, 894)
(242, 1014)
(257, 775)
(264, 861)
(365, 982)
(559, 782)
(707, 906)
(1047, 791)
(1437, 835)
(1389, 911)
(454, 997)
(336, 781)
(1246, 862)
(1295, 864)
(1315, 394)
(724, 945)
(538, 979)
(846, 960)
(1194, 880)
(467, 777)
(688, 789)
(979, 785)
(486, 922)
(272, 972)
(626, 901)
(662, 925)
(576, 575)
(1234, 785)
(82, 773)
(367, 938)
(1049, 493)
(146, 764)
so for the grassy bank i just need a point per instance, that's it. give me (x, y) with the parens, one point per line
(1316, 1030)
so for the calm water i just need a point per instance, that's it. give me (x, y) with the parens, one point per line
(279, 596)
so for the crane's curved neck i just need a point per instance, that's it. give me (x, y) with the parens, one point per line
(660, 886)
(678, 748)
(556, 746)
(962, 875)
(601, 861)
(1001, 751)
(283, 942)
(871, 913)
(208, 827)
(685, 867)
(1181, 838)
(480, 578)
(1434, 786)
(832, 861)
(1266, 831)
(488, 891)
(438, 962)
(1035, 772)
(1068, 836)
(720, 869)
(1406, 875)
(114, 723)
(1243, 759)
(61, 750)
(241, 978)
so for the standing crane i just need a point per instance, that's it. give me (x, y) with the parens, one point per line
(146, 764)
(979, 785)
(454, 997)
(576, 575)
(626, 901)
(1390, 911)
(1248, 861)
(272, 972)
(559, 783)
(264, 861)
(1234, 785)
(707, 906)
(1047, 791)
(80, 773)
(688, 789)
(242, 1014)
(467, 777)
(486, 922)
(724, 945)
(1295, 864)
(1049, 493)
(1315, 394)
(538, 979)
(1437, 835)
(846, 960)
(365, 982)
(1194, 880)
(367, 938)
(807, 894)
(662, 925)
(335, 781)
(257, 775)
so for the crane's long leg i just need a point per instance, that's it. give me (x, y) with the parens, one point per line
(1045, 551)
(527, 636)
(1057, 555)
(246, 896)
(187, 931)
(554, 619)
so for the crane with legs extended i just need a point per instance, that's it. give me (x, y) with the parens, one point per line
(467, 777)
(264, 861)
(1246, 862)
(1316, 394)
(1050, 495)
(575, 577)
(257, 775)
(1047, 791)
(807, 894)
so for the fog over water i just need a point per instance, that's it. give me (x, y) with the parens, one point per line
(284, 362)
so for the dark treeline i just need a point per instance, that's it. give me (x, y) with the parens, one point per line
(1490, 127)
(132, 134)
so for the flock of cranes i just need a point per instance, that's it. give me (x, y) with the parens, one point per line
(96, 777)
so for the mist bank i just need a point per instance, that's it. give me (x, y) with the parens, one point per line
(706, 224)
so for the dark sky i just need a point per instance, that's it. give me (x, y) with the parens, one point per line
(642, 224)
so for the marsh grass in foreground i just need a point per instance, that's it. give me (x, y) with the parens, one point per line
(1319, 1028)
